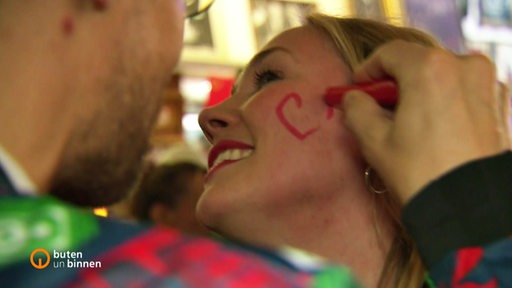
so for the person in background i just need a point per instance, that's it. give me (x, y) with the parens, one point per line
(285, 170)
(169, 190)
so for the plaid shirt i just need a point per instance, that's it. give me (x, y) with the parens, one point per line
(125, 255)
(117, 254)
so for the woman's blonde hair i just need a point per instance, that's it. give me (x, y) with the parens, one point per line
(355, 39)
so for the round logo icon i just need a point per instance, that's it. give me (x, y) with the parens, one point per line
(39, 264)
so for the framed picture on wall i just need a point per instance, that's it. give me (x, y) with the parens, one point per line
(199, 39)
(488, 21)
(270, 17)
(220, 37)
(369, 9)
(198, 32)
(496, 12)
(440, 18)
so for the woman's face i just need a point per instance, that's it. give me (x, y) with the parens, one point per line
(280, 156)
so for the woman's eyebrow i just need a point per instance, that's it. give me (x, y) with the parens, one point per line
(257, 59)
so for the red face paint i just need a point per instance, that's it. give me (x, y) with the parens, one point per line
(68, 26)
(384, 92)
(330, 113)
(301, 134)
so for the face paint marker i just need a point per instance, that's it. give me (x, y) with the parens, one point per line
(384, 92)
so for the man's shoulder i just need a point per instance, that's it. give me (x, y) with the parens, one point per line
(89, 250)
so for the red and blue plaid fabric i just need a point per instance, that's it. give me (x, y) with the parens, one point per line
(476, 267)
(130, 255)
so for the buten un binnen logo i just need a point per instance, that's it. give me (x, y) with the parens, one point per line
(39, 263)
(40, 258)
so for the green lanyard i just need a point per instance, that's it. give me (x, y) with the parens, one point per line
(28, 224)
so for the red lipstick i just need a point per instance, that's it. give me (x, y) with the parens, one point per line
(223, 146)
(384, 92)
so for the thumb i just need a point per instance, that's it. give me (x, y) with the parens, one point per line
(368, 121)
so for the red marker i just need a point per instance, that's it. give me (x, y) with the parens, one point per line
(384, 92)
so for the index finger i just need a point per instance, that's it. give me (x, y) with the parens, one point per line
(395, 59)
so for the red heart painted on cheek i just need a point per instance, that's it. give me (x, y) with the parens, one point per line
(300, 134)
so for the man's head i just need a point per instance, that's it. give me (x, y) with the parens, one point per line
(105, 151)
(84, 81)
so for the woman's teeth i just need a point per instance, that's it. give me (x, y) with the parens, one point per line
(233, 154)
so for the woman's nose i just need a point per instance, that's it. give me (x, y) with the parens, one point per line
(214, 120)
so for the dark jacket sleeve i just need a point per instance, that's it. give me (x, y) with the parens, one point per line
(465, 217)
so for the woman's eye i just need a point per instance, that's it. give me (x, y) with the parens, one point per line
(264, 77)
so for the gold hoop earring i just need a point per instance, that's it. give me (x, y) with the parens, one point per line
(368, 172)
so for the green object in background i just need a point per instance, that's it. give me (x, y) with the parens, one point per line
(429, 282)
(27, 224)
(335, 277)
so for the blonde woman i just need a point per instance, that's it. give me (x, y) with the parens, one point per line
(285, 171)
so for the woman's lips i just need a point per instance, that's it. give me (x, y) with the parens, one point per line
(226, 152)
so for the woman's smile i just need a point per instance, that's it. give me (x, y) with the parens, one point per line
(226, 152)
